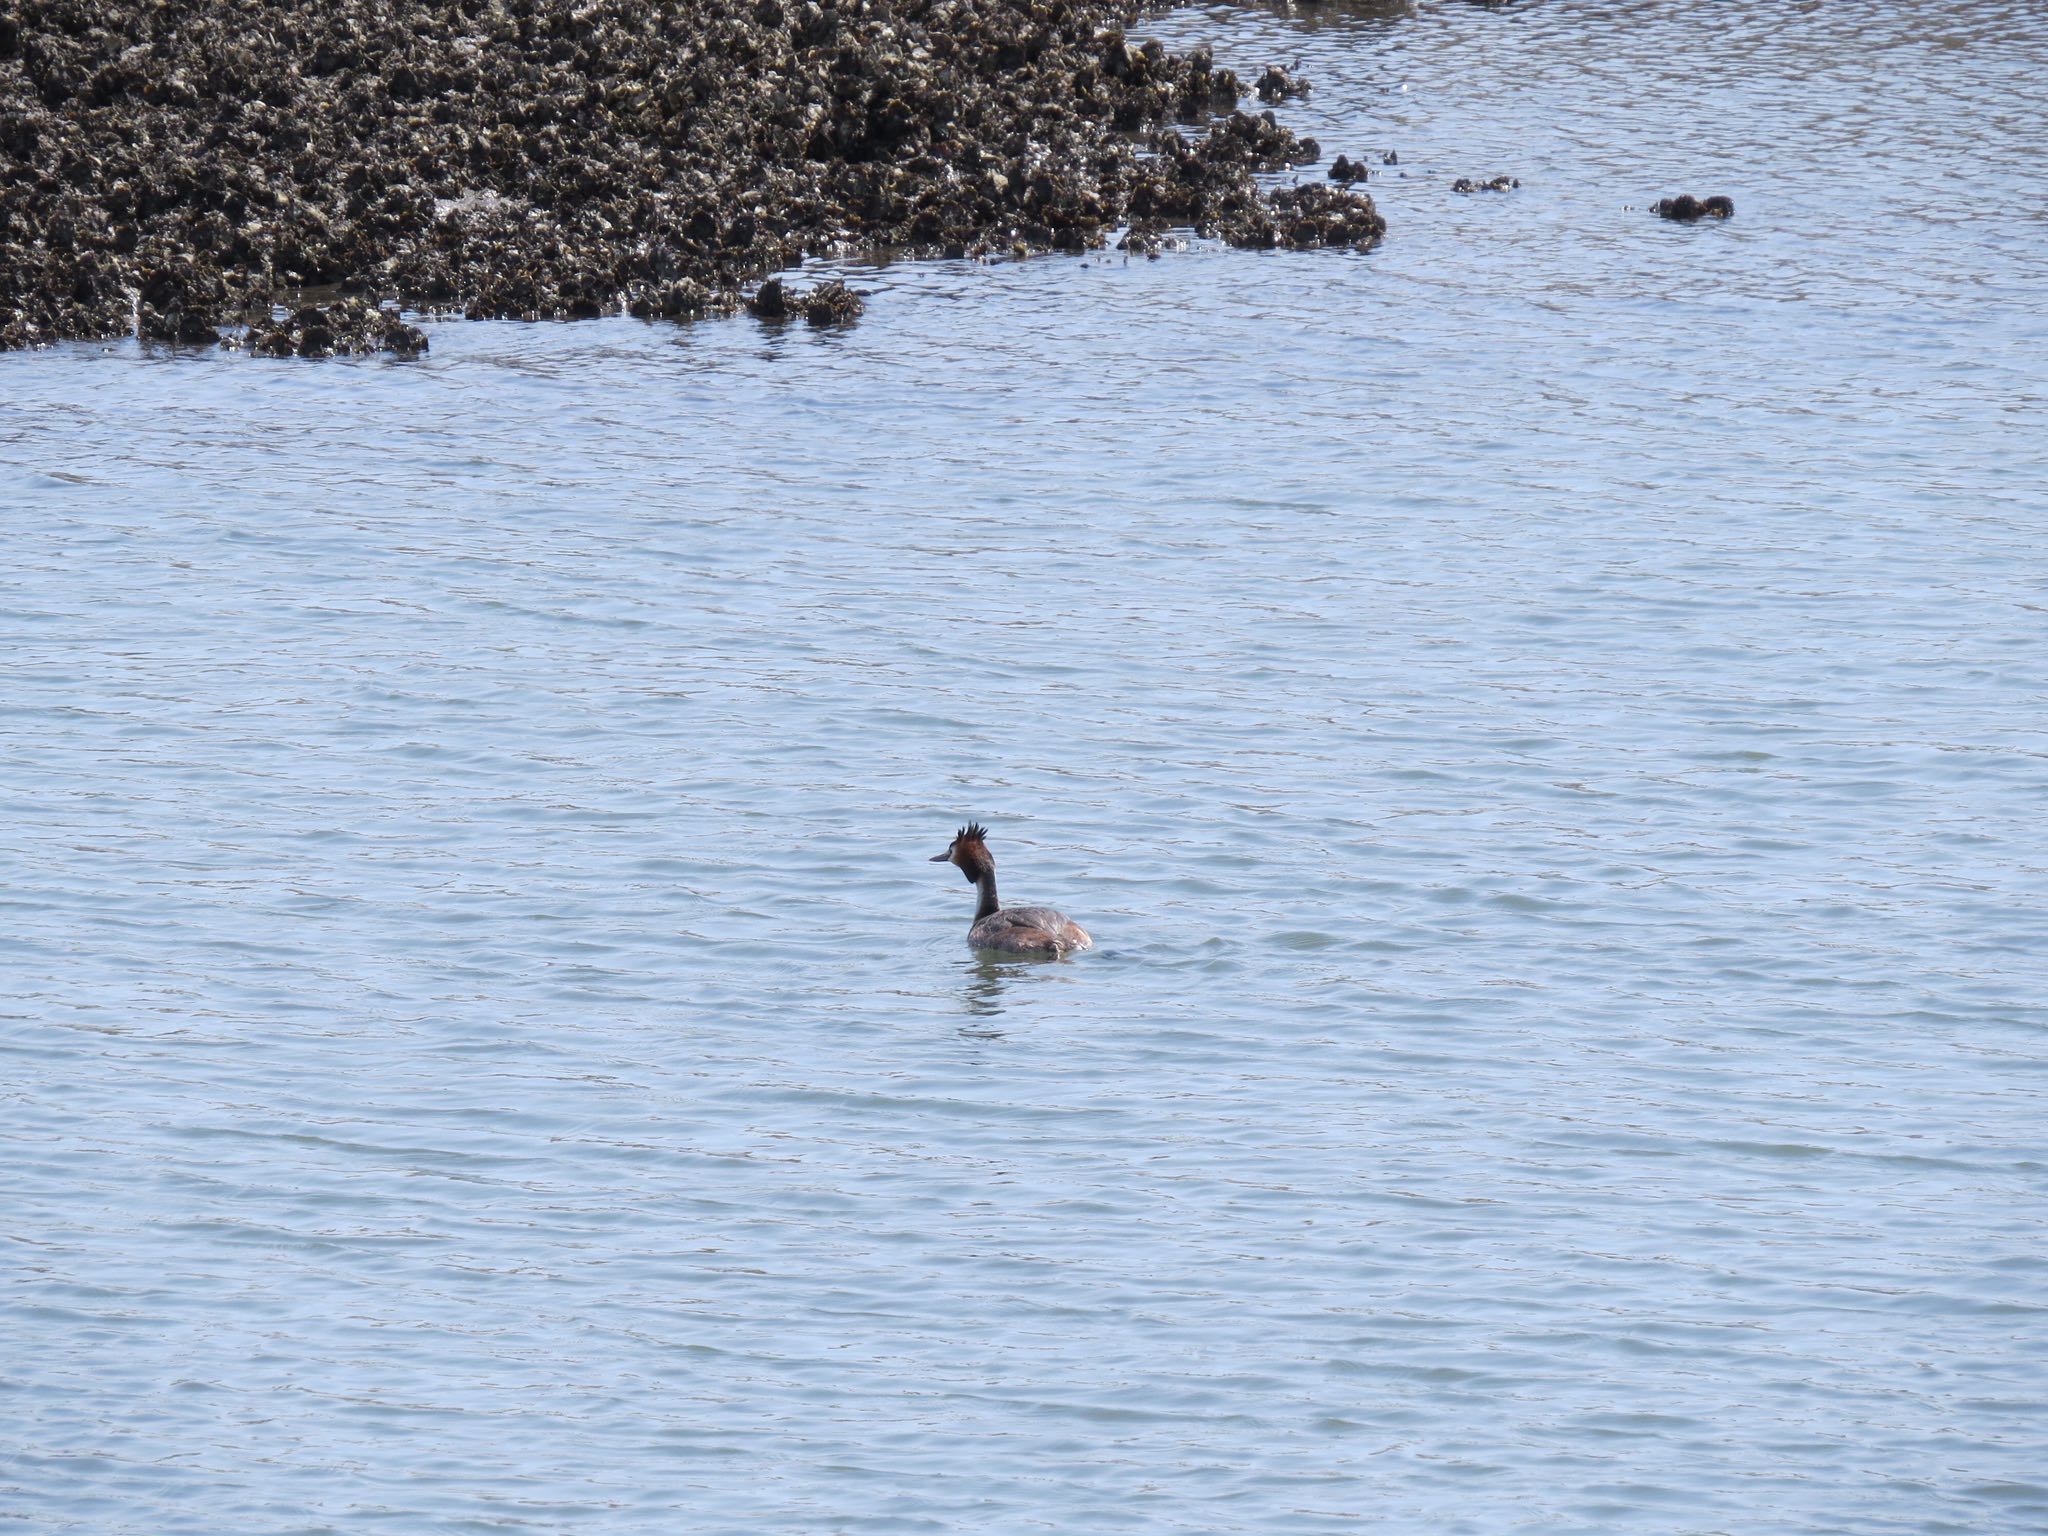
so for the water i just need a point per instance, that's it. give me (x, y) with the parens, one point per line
(1543, 721)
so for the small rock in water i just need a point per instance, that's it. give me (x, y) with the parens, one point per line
(832, 303)
(1276, 85)
(1347, 170)
(1498, 184)
(402, 340)
(1686, 208)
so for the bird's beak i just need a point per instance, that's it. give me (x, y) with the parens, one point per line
(940, 858)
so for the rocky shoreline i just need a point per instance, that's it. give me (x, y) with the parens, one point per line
(174, 169)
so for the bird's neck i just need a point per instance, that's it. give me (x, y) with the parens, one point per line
(985, 888)
(981, 869)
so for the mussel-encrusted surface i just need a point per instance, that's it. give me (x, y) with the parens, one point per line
(176, 166)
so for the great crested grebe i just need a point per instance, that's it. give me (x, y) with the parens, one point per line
(1016, 930)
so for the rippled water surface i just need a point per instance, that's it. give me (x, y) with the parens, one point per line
(1545, 722)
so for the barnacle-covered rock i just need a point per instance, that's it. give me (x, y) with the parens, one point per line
(1316, 214)
(832, 303)
(179, 169)
(347, 328)
(1276, 85)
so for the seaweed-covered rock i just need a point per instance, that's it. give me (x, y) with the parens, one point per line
(1498, 184)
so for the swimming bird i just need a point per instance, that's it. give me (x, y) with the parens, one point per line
(1014, 930)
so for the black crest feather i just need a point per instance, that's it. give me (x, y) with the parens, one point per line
(973, 832)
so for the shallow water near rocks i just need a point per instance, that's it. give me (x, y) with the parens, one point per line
(1544, 722)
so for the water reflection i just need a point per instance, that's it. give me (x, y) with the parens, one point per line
(989, 976)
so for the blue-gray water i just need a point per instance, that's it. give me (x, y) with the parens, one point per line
(1545, 723)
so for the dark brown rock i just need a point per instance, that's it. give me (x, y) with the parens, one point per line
(1685, 208)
